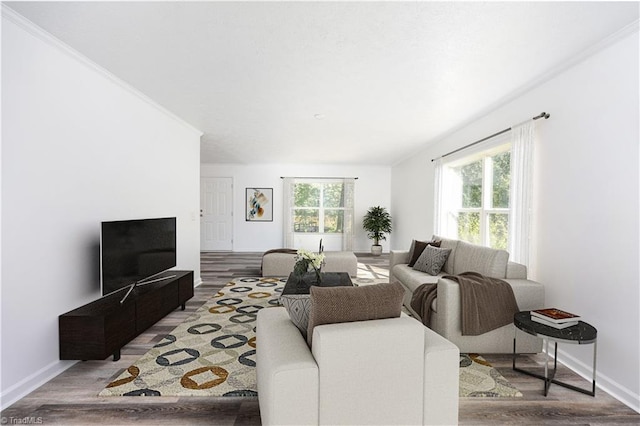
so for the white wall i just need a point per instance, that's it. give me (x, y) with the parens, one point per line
(372, 189)
(587, 203)
(78, 148)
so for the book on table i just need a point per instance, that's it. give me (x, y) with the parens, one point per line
(553, 324)
(555, 315)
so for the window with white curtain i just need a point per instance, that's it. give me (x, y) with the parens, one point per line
(318, 209)
(475, 197)
(481, 205)
(484, 195)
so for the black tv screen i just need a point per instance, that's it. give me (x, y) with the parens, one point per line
(134, 250)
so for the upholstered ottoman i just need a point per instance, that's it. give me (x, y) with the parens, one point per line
(281, 264)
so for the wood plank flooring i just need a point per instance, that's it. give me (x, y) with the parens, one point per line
(71, 398)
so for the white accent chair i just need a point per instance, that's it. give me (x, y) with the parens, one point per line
(386, 371)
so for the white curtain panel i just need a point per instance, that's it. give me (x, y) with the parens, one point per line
(521, 191)
(347, 235)
(447, 200)
(288, 212)
(438, 210)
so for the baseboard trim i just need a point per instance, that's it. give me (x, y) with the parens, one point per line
(21, 389)
(616, 390)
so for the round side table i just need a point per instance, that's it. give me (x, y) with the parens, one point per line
(581, 333)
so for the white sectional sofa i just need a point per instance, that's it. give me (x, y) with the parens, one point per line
(446, 316)
(391, 371)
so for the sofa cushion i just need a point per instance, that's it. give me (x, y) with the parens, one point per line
(448, 244)
(411, 278)
(330, 305)
(412, 247)
(483, 260)
(431, 260)
(516, 271)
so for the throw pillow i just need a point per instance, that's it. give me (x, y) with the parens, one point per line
(432, 260)
(411, 248)
(416, 249)
(330, 305)
(298, 307)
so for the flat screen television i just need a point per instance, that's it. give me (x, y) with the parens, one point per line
(134, 251)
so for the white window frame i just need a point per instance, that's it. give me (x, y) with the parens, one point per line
(453, 187)
(321, 209)
(331, 241)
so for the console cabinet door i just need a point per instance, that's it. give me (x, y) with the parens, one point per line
(186, 288)
(154, 305)
(96, 336)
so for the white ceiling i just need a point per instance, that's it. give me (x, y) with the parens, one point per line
(386, 78)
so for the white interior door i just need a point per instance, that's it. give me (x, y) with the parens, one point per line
(216, 214)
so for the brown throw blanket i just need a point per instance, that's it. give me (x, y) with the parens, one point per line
(486, 303)
(421, 301)
(280, 250)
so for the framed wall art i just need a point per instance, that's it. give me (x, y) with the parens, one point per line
(259, 204)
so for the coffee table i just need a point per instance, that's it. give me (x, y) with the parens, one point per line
(581, 333)
(296, 299)
(328, 279)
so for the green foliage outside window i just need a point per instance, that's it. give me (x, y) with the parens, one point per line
(319, 207)
(472, 185)
(306, 220)
(306, 195)
(333, 221)
(499, 230)
(469, 227)
(469, 220)
(333, 195)
(501, 179)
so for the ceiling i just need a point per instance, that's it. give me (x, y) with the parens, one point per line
(328, 82)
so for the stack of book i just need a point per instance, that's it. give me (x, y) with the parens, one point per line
(555, 317)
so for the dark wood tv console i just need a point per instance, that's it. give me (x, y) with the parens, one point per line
(101, 328)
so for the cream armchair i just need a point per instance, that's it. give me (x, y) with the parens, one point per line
(386, 371)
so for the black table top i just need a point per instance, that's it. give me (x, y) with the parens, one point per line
(580, 333)
(329, 279)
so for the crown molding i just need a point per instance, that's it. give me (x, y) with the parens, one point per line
(41, 34)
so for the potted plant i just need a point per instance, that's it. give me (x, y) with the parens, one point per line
(377, 222)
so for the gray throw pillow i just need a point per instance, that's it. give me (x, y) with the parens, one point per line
(298, 307)
(330, 305)
(432, 260)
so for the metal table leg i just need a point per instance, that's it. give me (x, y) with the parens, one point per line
(548, 379)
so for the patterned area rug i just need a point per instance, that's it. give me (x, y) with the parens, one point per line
(213, 352)
(479, 379)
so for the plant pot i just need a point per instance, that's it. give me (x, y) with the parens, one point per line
(376, 249)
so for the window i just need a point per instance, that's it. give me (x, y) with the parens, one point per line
(477, 205)
(486, 197)
(319, 208)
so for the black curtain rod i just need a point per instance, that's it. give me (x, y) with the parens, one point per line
(316, 177)
(542, 115)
